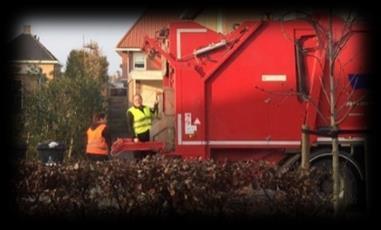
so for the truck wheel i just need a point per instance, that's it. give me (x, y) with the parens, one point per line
(350, 178)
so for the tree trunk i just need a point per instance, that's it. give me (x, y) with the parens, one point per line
(305, 151)
(335, 174)
(70, 147)
(335, 143)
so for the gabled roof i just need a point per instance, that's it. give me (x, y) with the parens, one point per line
(147, 25)
(26, 47)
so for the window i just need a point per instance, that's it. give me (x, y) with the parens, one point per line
(139, 61)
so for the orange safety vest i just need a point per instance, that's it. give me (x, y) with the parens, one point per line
(96, 144)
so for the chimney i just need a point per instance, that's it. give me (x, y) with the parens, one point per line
(27, 29)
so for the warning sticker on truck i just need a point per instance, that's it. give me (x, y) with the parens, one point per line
(190, 129)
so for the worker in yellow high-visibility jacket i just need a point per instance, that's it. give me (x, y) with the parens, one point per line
(139, 119)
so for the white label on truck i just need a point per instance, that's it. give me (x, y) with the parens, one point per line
(189, 128)
(272, 77)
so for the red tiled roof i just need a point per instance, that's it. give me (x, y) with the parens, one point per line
(147, 25)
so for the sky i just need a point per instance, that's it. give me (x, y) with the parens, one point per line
(60, 34)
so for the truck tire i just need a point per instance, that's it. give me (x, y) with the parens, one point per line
(350, 176)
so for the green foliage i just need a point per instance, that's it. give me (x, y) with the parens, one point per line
(87, 63)
(75, 64)
(61, 110)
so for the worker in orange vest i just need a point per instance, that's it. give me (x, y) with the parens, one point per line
(98, 139)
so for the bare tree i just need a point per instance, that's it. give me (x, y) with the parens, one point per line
(332, 43)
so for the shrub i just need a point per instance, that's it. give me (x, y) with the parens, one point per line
(61, 110)
(164, 187)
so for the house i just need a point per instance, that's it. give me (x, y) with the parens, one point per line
(31, 61)
(144, 74)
